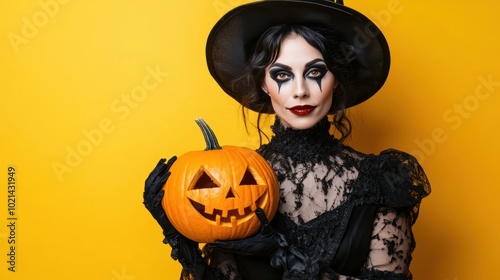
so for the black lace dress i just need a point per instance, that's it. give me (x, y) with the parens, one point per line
(321, 181)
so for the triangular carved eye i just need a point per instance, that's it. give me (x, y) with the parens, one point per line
(248, 179)
(204, 182)
(230, 194)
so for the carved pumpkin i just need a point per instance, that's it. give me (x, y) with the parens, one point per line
(212, 194)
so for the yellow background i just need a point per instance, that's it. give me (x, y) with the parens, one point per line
(95, 92)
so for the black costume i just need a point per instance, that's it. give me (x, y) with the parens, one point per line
(321, 181)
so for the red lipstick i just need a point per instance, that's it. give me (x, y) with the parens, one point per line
(302, 110)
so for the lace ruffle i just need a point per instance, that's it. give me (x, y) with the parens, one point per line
(396, 179)
(310, 145)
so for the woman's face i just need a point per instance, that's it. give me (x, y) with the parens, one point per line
(299, 84)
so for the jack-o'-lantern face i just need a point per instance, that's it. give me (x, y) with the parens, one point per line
(230, 204)
(212, 195)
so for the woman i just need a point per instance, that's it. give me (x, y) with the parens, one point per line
(342, 214)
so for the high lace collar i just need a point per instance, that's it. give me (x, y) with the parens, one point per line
(313, 144)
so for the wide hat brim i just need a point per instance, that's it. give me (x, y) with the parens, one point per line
(231, 41)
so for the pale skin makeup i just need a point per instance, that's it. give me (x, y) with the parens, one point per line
(299, 83)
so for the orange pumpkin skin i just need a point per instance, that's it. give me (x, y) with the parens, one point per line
(212, 194)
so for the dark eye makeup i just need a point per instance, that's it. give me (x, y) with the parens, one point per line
(280, 74)
(315, 70)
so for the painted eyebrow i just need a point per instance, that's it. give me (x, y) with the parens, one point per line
(309, 64)
(314, 61)
(280, 65)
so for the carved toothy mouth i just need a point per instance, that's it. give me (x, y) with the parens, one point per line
(228, 217)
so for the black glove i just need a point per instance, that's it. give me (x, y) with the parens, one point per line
(265, 243)
(183, 249)
(186, 251)
(153, 195)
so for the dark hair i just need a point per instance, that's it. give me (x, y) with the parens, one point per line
(266, 52)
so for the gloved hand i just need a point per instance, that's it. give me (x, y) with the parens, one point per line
(183, 248)
(153, 195)
(265, 243)
(269, 243)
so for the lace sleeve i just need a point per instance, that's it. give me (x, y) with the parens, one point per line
(392, 243)
(390, 249)
(400, 183)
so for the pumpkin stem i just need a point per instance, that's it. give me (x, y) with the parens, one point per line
(208, 134)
